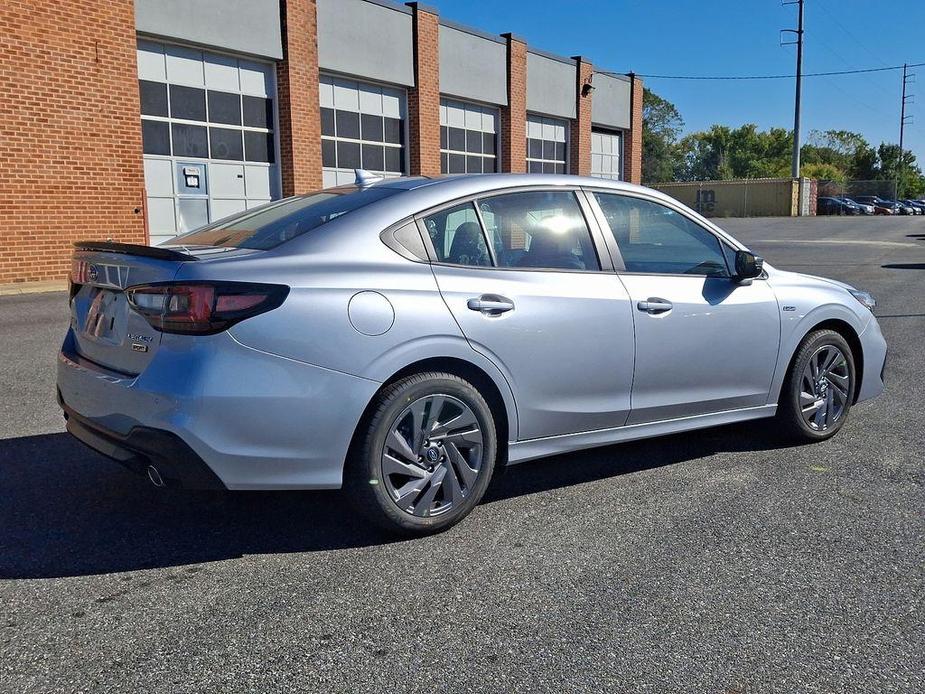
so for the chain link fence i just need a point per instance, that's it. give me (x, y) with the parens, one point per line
(753, 197)
(850, 189)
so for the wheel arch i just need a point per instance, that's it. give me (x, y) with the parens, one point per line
(847, 331)
(502, 408)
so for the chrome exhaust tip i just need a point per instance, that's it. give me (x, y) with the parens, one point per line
(155, 477)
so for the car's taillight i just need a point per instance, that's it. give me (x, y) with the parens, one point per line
(203, 308)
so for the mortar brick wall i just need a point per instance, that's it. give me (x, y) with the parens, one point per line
(632, 147)
(70, 138)
(514, 115)
(297, 98)
(580, 126)
(424, 97)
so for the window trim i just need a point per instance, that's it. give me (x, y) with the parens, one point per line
(597, 237)
(611, 242)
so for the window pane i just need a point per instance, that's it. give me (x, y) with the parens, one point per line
(457, 139)
(373, 158)
(443, 137)
(457, 236)
(535, 149)
(549, 149)
(490, 165)
(328, 153)
(190, 140)
(155, 137)
(488, 143)
(187, 103)
(444, 163)
(226, 144)
(153, 98)
(535, 167)
(653, 238)
(559, 151)
(543, 229)
(457, 164)
(372, 128)
(348, 155)
(348, 124)
(224, 108)
(258, 112)
(473, 164)
(393, 160)
(393, 131)
(259, 147)
(473, 142)
(327, 121)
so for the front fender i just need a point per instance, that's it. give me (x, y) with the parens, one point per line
(797, 323)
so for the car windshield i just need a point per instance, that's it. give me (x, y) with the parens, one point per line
(270, 225)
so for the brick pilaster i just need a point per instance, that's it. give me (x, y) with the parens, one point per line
(632, 145)
(514, 115)
(297, 98)
(70, 133)
(424, 98)
(580, 127)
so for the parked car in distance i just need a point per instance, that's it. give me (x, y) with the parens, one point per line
(828, 206)
(863, 208)
(916, 206)
(405, 338)
(881, 206)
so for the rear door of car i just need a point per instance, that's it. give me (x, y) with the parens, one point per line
(521, 274)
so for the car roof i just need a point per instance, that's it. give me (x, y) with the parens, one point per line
(427, 191)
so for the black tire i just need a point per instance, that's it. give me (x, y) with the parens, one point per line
(789, 415)
(364, 479)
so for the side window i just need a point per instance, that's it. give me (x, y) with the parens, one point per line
(541, 229)
(457, 236)
(653, 238)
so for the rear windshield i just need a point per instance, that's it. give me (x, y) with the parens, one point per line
(270, 225)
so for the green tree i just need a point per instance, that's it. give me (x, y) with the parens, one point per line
(900, 166)
(722, 153)
(823, 172)
(661, 126)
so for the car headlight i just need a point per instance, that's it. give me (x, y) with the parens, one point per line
(864, 297)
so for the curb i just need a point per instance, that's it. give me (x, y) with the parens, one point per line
(17, 288)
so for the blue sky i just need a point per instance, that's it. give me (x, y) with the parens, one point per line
(733, 37)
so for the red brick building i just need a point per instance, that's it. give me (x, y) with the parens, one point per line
(139, 120)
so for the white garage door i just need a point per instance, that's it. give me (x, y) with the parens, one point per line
(606, 154)
(208, 123)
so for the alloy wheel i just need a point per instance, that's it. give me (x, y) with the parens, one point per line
(432, 455)
(825, 388)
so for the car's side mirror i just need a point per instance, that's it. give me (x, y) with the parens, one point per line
(747, 266)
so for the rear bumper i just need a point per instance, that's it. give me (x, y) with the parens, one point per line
(142, 449)
(255, 420)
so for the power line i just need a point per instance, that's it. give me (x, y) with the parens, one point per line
(776, 77)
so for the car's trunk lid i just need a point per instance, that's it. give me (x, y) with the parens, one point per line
(107, 331)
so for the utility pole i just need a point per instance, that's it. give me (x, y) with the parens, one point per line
(904, 120)
(795, 165)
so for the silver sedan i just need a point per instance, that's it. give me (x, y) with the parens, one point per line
(406, 338)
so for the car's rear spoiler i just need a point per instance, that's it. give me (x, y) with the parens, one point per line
(133, 249)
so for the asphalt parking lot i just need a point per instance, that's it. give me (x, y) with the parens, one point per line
(717, 561)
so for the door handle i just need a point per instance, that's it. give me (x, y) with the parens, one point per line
(654, 305)
(490, 305)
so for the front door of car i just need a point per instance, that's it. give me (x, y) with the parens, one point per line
(520, 274)
(704, 343)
